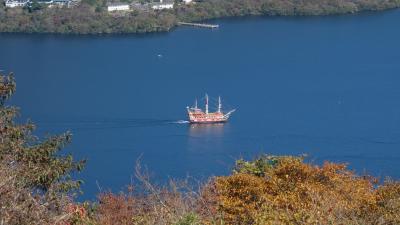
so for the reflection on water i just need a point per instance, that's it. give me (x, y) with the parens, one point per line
(205, 137)
(207, 130)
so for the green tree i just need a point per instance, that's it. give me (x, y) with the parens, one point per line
(35, 180)
(35, 6)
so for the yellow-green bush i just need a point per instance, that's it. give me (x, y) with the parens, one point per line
(289, 191)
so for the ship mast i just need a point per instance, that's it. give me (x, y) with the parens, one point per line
(219, 104)
(195, 104)
(206, 103)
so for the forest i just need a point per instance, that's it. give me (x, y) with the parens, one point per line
(91, 16)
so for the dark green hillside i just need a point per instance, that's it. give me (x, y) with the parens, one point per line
(91, 16)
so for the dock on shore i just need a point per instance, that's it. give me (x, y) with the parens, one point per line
(204, 25)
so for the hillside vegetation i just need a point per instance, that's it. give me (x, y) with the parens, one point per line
(267, 190)
(35, 181)
(36, 188)
(90, 16)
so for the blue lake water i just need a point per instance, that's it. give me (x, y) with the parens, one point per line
(325, 86)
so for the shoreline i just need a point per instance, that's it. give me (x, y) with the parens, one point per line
(213, 21)
(164, 21)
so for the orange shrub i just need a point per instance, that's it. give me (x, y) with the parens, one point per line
(240, 196)
(115, 209)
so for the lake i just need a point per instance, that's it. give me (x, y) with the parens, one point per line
(328, 87)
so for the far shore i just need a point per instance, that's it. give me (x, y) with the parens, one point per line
(92, 17)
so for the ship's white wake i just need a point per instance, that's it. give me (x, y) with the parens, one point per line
(107, 123)
(181, 122)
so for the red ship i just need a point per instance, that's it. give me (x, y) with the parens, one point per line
(197, 115)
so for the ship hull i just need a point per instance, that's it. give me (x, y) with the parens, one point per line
(207, 121)
(200, 117)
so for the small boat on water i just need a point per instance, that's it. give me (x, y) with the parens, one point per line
(197, 115)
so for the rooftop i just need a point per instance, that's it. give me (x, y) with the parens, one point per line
(19, 1)
(117, 4)
(163, 2)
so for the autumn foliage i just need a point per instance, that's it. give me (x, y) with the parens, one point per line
(285, 190)
(267, 190)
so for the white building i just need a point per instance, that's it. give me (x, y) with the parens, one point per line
(16, 3)
(62, 3)
(48, 3)
(163, 5)
(117, 7)
(187, 1)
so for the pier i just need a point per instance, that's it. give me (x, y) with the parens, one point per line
(204, 25)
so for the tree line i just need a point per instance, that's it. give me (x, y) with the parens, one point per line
(90, 16)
